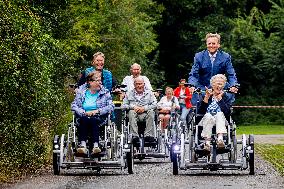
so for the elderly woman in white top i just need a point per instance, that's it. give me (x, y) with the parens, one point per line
(167, 103)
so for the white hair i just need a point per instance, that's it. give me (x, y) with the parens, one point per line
(139, 78)
(135, 64)
(218, 76)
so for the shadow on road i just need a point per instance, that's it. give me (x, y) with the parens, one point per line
(218, 174)
(138, 162)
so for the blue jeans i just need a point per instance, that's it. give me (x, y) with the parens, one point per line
(184, 112)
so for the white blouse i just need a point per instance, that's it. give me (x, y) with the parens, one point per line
(167, 104)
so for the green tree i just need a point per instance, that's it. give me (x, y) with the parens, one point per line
(33, 99)
(257, 47)
(256, 44)
(123, 30)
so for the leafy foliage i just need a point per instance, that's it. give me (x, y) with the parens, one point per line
(32, 88)
(123, 30)
(258, 52)
(43, 45)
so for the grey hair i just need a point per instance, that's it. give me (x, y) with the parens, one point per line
(135, 64)
(218, 76)
(208, 35)
(97, 54)
(139, 78)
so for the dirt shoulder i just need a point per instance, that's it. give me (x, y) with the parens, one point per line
(269, 139)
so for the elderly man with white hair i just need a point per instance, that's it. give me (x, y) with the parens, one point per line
(135, 70)
(216, 106)
(141, 103)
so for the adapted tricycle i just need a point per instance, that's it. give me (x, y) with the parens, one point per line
(189, 153)
(115, 152)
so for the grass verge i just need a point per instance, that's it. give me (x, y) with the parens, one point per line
(261, 129)
(271, 153)
(274, 154)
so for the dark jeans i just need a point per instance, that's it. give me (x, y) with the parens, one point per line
(90, 126)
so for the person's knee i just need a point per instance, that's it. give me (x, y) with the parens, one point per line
(151, 113)
(182, 117)
(220, 115)
(167, 116)
(220, 118)
(131, 114)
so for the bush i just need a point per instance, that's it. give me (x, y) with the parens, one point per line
(33, 99)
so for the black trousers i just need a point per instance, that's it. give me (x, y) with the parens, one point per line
(90, 127)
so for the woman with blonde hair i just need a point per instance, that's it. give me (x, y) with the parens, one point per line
(167, 103)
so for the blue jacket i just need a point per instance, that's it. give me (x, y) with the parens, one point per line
(202, 69)
(106, 77)
(104, 101)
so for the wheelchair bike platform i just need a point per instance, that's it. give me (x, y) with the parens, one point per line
(93, 164)
(189, 152)
(116, 152)
(149, 155)
(154, 150)
(204, 165)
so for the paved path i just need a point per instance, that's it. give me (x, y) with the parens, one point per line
(269, 139)
(158, 174)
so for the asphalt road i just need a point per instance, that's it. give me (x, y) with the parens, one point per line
(155, 173)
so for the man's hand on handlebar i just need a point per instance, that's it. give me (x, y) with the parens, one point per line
(233, 89)
(192, 89)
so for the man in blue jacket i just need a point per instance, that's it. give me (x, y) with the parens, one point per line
(210, 62)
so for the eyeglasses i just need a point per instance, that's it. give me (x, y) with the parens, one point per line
(97, 80)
